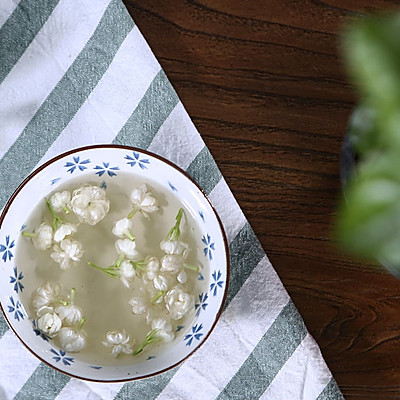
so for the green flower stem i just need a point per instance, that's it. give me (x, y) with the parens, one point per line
(191, 267)
(159, 294)
(72, 295)
(150, 338)
(81, 323)
(129, 236)
(175, 233)
(132, 213)
(66, 209)
(71, 298)
(57, 221)
(29, 234)
(139, 266)
(119, 260)
(112, 271)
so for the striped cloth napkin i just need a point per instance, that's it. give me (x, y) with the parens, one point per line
(75, 73)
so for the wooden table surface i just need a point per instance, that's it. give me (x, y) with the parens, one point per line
(264, 84)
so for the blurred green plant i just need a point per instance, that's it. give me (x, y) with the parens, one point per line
(368, 222)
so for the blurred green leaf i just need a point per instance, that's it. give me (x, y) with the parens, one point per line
(368, 222)
(371, 49)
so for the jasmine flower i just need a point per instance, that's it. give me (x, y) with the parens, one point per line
(44, 310)
(123, 228)
(73, 339)
(69, 313)
(153, 266)
(163, 328)
(119, 342)
(45, 295)
(175, 247)
(63, 231)
(127, 248)
(49, 323)
(42, 237)
(69, 252)
(89, 203)
(161, 283)
(60, 201)
(125, 270)
(142, 201)
(148, 305)
(178, 302)
(127, 273)
(139, 305)
(172, 263)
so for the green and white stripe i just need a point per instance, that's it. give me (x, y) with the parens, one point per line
(6, 9)
(83, 74)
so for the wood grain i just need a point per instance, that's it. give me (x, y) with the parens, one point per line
(264, 84)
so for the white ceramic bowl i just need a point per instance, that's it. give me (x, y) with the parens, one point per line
(107, 164)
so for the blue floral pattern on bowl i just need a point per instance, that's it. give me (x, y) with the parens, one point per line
(136, 160)
(62, 356)
(201, 305)
(194, 334)
(210, 246)
(202, 216)
(172, 186)
(6, 249)
(16, 280)
(101, 169)
(76, 164)
(55, 180)
(16, 309)
(217, 282)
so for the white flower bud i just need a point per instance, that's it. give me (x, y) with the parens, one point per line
(69, 252)
(123, 228)
(44, 310)
(45, 295)
(43, 238)
(172, 263)
(139, 305)
(175, 247)
(178, 302)
(182, 277)
(63, 231)
(60, 201)
(160, 282)
(49, 323)
(164, 329)
(119, 342)
(71, 340)
(128, 248)
(153, 265)
(70, 315)
(127, 273)
(89, 203)
(143, 201)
